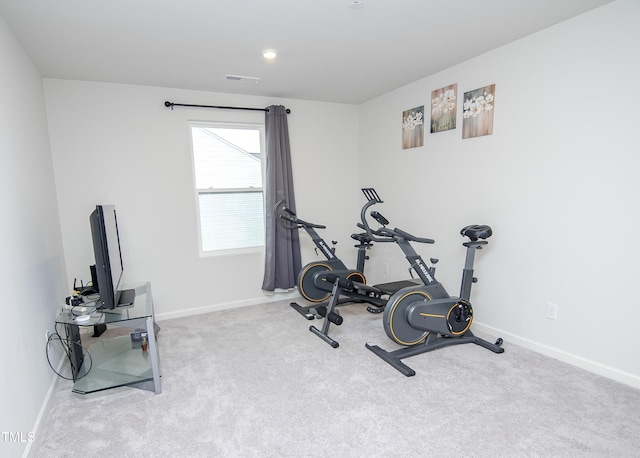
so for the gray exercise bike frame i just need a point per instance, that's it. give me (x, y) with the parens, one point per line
(425, 318)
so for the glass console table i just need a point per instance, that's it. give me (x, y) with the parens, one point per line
(117, 357)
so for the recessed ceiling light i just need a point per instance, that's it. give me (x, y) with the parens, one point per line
(356, 5)
(269, 54)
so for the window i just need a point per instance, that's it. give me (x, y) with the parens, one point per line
(228, 175)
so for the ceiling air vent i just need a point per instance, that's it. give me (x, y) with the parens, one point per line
(242, 79)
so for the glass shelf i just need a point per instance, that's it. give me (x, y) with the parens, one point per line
(115, 358)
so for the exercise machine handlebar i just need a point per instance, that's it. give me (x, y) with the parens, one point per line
(412, 238)
(289, 215)
(384, 234)
(377, 232)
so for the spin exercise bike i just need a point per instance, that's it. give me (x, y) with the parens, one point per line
(332, 265)
(425, 318)
(305, 283)
(330, 283)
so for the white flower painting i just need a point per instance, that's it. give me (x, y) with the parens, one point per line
(443, 108)
(477, 114)
(413, 128)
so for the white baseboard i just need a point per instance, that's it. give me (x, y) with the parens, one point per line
(275, 297)
(44, 405)
(569, 358)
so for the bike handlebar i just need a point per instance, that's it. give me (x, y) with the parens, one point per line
(413, 238)
(389, 234)
(375, 231)
(293, 219)
(393, 233)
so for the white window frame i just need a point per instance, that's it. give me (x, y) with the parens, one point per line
(226, 125)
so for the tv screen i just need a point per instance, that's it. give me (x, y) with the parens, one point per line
(108, 255)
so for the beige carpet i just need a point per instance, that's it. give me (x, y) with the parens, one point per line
(254, 382)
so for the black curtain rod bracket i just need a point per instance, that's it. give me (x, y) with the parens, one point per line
(171, 105)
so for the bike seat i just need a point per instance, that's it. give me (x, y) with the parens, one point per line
(363, 238)
(476, 231)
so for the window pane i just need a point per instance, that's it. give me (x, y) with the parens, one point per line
(231, 220)
(227, 158)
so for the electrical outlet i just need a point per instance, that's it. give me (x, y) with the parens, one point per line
(386, 268)
(552, 311)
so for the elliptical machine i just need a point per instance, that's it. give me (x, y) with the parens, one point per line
(425, 318)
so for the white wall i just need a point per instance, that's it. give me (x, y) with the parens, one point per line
(32, 273)
(557, 181)
(119, 144)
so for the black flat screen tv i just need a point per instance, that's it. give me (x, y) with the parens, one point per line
(108, 255)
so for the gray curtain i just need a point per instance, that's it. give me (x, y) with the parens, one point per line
(282, 250)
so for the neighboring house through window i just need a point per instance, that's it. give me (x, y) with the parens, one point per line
(228, 172)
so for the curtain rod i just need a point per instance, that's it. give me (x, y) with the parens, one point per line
(171, 105)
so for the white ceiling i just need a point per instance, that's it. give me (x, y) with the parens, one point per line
(328, 51)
